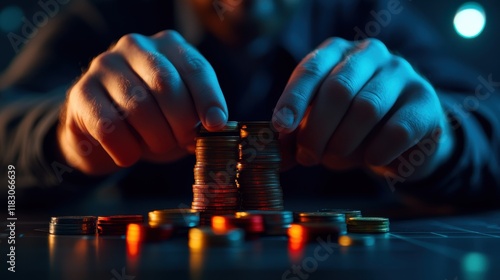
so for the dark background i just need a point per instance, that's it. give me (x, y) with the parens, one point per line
(481, 53)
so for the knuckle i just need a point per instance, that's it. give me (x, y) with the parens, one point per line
(103, 129)
(369, 107)
(134, 97)
(399, 62)
(377, 44)
(299, 99)
(402, 132)
(162, 80)
(161, 73)
(124, 83)
(311, 68)
(81, 92)
(169, 33)
(159, 81)
(131, 39)
(341, 86)
(105, 60)
(194, 65)
(337, 40)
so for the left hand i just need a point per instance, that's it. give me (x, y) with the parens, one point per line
(354, 104)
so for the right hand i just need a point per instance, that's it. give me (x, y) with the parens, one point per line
(140, 100)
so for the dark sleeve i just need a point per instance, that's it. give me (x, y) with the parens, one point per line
(471, 101)
(33, 88)
(29, 113)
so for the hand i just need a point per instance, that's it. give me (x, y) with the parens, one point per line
(354, 104)
(141, 99)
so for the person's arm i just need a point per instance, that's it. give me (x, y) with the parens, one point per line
(140, 99)
(377, 95)
(32, 90)
(471, 101)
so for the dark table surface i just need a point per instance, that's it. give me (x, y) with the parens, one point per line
(465, 246)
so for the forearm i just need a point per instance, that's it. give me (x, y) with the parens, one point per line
(27, 122)
(471, 176)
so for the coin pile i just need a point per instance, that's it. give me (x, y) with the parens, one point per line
(349, 213)
(258, 167)
(275, 222)
(179, 218)
(368, 225)
(331, 218)
(214, 190)
(73, 225)
(117, 224)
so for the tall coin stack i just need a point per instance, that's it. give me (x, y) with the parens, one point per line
(214, 190)
(258, 167)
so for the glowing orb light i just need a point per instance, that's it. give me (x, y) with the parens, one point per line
(470, 20)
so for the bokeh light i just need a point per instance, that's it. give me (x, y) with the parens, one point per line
(11, 18)
(475, 262)
(470, 20)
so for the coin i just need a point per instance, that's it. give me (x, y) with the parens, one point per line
(73, 225)
(349, 213)
(367, 225)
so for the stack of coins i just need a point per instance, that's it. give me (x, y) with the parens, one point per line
(331, 218)
(258, 167)
(349, 213)
(275, 222)
(214, 190)
(179, 218)
(368, 225)
(205, 237)
(73, 225)
(117, 224)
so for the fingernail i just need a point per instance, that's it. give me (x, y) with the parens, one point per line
(305, 157)
(283, 118)
(215, 117)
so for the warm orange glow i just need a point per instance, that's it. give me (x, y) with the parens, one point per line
(81, 247)
(196, 259)
(345, 241)
(52, 248)
(219, 224)
(295, 245)
(195, 239)
(241, 214)
(134, 238)
(296, 233)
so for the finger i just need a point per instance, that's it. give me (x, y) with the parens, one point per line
(199, 77)
(335, 96)
(103, 124)
(408, 125)
(134, 104)
(304, 81)
(167, 87)
(368, 108)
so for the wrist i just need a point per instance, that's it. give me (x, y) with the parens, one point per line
(423, 159)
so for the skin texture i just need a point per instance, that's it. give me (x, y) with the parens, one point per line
(354, 104)
(142, 99)
(347, 104)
